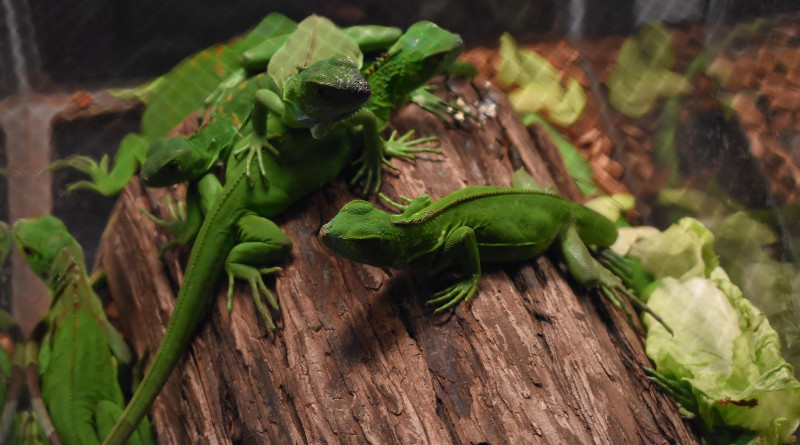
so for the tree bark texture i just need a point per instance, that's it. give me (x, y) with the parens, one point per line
(359, 359)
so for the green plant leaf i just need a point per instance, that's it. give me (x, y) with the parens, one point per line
(540, 89)
(641, 74)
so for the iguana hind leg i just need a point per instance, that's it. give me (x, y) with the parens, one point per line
(130, 154)
(185, 220)
(460, 247)
(262, 245)
(589, 272)
(431, 103)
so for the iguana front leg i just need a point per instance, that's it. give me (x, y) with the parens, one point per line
(262, 244)
(460, 247)
(429, 102)
(265, 103)
(413, 206)
(186, 219)
(377, 150)
(132, 152)
(590, 273)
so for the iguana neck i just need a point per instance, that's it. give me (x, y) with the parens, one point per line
(67, 274)
(380, 76)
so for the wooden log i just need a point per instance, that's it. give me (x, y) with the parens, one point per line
(358, 358)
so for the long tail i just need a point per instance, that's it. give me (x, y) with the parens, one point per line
(179, 332)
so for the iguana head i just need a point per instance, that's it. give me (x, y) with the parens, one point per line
(362, 233)
(429, 48)
(171, 161)
(40, 240)
(324, 93)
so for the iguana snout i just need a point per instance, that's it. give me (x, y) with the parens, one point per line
(360, 231)
(40, 239)
(326, 92)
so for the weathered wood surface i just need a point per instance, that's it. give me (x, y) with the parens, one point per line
(359, 359)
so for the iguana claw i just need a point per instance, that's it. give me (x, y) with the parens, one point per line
(254, 277)
(254, 148)
(402, 147)
(101, 181)
(183, 227)
(455, 294)
(440, 108)
(398, 147)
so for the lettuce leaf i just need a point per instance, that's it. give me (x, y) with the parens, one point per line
(723, 347)
(540, 89)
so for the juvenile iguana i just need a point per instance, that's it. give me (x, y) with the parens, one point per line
(193, 84)
(236, 226)
(239, 214)
(80, 351)
(320, 95)
(473, 225)
(422, 52)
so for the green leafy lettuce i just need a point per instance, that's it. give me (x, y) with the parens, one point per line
(723, 362)
(540, 88)
(641, 74)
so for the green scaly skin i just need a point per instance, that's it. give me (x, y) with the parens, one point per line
(424, 51)
(421, 53)
(474, 225)
(78, 373)
(236, 225)
(169, 99)
(322, 95)
(197, 80)
(318, 96)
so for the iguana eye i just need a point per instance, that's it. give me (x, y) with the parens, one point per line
(27, 251)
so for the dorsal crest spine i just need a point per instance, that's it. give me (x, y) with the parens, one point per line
(499, 192)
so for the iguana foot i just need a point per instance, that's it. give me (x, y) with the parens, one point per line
(102, 182)
(679, 390)
(182, 226)
(254, 149)
(613, 293)
(621, 273)
(253, 276)
(441, 108)
(450, 297)
(402, 147)
(398, 147)
(388, 201)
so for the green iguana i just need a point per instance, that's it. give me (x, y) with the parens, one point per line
(422, 52)
(473, 225)
(195, 83)
(321, 95)
(80, 351)
(236, 226)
